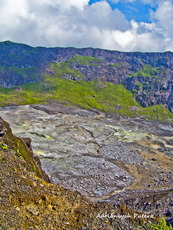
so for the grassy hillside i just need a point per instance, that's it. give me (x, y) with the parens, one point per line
(63, 69)
(84, 94)
(147, 71)
(84, 60)
(99, 95)
(144, 74)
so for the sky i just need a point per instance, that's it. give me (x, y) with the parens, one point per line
(124, 25)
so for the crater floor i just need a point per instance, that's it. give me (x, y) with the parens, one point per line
(98, 156)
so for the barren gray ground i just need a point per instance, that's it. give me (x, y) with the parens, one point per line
(93, 154)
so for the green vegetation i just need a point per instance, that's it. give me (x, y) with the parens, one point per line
(99, 95)
(18, 151)
(161, 225)
(64, 69)
(157, 112)
(3, 146)
(89, 94)
(147, 71)
(139, 87)
(19, 147)
(84, 60)
(116, 65)
(26, 94)
(139, 84)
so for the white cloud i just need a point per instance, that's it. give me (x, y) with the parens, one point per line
(75, 23)
(66, 4)
(114, 1)
(12, 12)
(164, 16)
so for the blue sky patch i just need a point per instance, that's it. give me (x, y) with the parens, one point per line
(137, 10)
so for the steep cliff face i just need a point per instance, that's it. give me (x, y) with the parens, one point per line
(148, 75)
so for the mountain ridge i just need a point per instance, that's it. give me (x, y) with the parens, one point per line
(149, 76)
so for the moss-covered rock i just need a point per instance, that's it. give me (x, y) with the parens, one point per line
(22, 150)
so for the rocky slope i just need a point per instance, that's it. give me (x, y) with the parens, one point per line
(118, 161)
(29, 201)
(148, 75)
